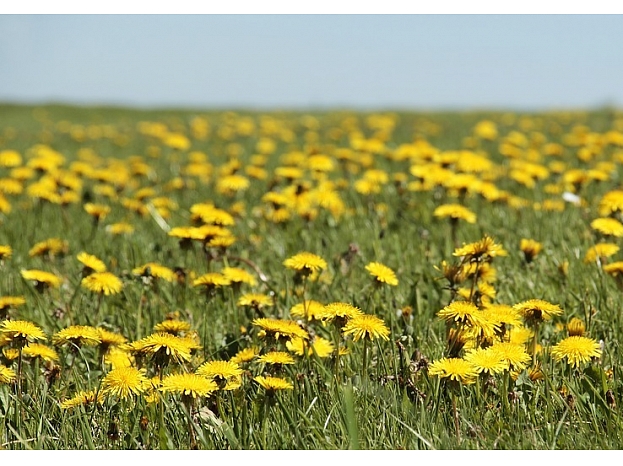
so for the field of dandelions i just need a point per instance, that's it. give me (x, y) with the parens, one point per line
(237, 280)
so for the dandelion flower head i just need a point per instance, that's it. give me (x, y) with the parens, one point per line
(480, 251)
(456, 369)
(21, 330)
(576, 350)
(382, 273)
(81, 335)
(455, 212)
(273, 384)
(366, 325)
(190, 385)
(124, 382)
(104, 283)
(305, 262)
(600, 251)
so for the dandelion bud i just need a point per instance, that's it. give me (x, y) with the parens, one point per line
(530, 249)
(576, 327)
(144, 423)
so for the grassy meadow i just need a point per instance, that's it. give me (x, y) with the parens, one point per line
(281, 280)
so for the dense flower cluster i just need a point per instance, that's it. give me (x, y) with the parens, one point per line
(245, 261)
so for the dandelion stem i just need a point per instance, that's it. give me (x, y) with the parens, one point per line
(365, 361)
(453, 226)
(455, 414)
(505, 390)
(534, 343)
(19, 399)
(474, 281)
(139, 313)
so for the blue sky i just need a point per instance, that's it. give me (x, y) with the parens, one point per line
(314, 61)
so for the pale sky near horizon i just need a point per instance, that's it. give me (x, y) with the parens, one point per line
(418, 62)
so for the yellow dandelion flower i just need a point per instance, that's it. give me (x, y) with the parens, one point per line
(186, 233)
(7, 375)
(237, 275)
(482, 294)
(486, 360)
(305, 262)
(276, 358)
(320, 162)
(245, 355)
(190, 385)
(456, 369)
(576, 327)
(256, 300)
(537, 310)
(273, 384)
(109, 339)
(192, 340)
(502, 314)
(576, 350)
(124, 382)
(382, 273)
(37, 350)
(21, 331)
(530, 248)
(307, 310)
(211, 215)
(152, 269)
(615, 268)
(120, 228)
(535, 373)
(481, 327)
(49, 247)
(610, 203)
(219, 369)
(211, 280)
(209, 232)
(222, 242)
(10, 158)
(10, 353)
(608, 226)
(91, 263)
(231, 184)
(520, 335)
(366, 326)
(81, 335)
(455, 212)
(483, 272)
(486, 129)
(11, 301)
(480, 251)
(164, 346)
(172, 326)
(462, 312)
(22, 173)
(42, 279)
(513, 354)
(5, 252)
(281, 328)
(102, 283)
(600, 252)
(322, 347)
(340, 311)
(97, 211)
(83, 398)
(117, 357)
(290, 173)
(5, 206)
